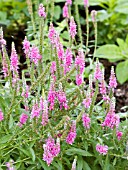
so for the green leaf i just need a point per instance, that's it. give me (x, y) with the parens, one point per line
(79, 163)
(57, 12)
(33, 154)
(122, 71)
(11, 122)
(86, 166)
(109, 51)
(43, 164)
(81, 152)
(5, 138)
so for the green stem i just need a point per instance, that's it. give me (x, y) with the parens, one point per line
(87, 29)
(94, 98)
(78, 23)
(94, 54)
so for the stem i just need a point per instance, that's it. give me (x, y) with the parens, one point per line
(94, 98)
(95, 27)
(87, 28)
(52, 9)
(78, 23)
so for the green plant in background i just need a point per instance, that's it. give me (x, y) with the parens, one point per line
(116, 53)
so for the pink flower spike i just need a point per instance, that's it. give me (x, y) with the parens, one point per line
(93, 15)
(67, 60)
(86, 121)
(86, 3)
(97, 73)
(14, 60)
(26, 46)
(87, 101)
(35, 111)
(65, 11)
(1, 115)
(72, 133)
(80, 61)
(23, 119)
(119, 135)
(72, 30)
(51, 33)
(4, 63)
(41, 11)
(102, 84)
(102, 149)
(74, 164)
(112, 80)
(53, 67)
(79, 79)
(34, 55)
(69, 2)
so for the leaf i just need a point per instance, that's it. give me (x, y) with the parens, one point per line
(43, 164)
(79, 163)
(86, 166)
(5, 138)
(33, 154)
(122, 71)
(57, 12)
(109, 51)
(81, 152)
(11, 122)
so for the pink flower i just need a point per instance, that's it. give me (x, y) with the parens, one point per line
(35, 111)
(86, 3)
(79, 79)
(112, 80)
(102, 149)
(80, 61)
(60, 51)
(72, 30)
(23, 119)
(51, 96)
(67, 60)
(65, 11)
(74, 164)
(87, 101)
(86, 121)
(93, 15)
(72, 133)
(34, 55)
(62, 97)
(53, 67)
(119, 134)
(26, 46)
(69, 2)
(1, 115)
(45, 113)
(51, 33)
(25, 92)
(97, 73)
(10, 166)
(4, 63)
(41, 11)
(14, 60)
(102, 84)
(51, 150)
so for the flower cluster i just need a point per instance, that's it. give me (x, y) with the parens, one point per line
(72, 133)
(102, 149)
(51, 150)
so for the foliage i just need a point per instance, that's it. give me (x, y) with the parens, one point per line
(54, 100)
(117, 53)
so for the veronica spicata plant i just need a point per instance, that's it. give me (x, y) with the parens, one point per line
(49, 117)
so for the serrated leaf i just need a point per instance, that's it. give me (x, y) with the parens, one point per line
(109, 51)
(122, 71)
(81, 152)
